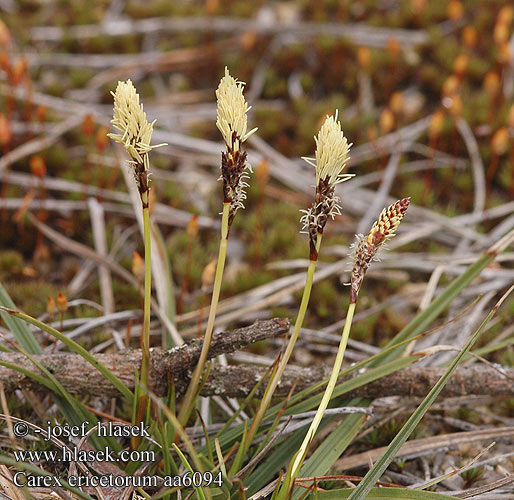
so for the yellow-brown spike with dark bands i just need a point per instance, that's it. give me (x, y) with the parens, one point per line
(366, 248)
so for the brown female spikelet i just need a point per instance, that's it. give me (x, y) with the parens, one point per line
(366, 248)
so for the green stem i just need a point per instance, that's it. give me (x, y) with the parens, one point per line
(277, 375)
(332, 381)
(187, 404)
(145, 344)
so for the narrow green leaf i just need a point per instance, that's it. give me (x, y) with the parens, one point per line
(71, 408)
(77, 348)
(330, 449)
(301, 395)
(392, 350)
(33, 375)
(74, 411)
(236, 464)
(268, 468)
(198, 489)
(18, 328)
(385, 493)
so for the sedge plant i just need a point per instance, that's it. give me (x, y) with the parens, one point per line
(332, 156)
(366, 250)
(232, 122)
(136, 134)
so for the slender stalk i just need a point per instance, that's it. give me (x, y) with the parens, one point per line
(145, 341)
(300, 456)
(187, 404)
(275, 378)
(145, 337)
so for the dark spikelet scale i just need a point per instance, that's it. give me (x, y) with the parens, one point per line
(324, 202)
(141, 177)
(362, 260)
(233, 165)
(367, 248)
(323, 207)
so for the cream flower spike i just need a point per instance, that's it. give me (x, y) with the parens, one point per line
(130, 119)
(232, 109)
(332, 150)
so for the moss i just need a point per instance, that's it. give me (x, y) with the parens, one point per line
(163, 8)
(56, 89)
(246, 278)
(204, 249)
(268, 122)
(170, 192)
(274, 87)
(99, 44)
(479, 112)
(326, 301)
(11, 263)
(416, 190)
(30, 296)
(477, 68)
(80, 76)
(383, 435)
(279, 236)
(126, 296)
(504, 176)
(281, 312)
(57, 158)
(463, 182)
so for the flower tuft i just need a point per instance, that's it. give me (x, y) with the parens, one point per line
(130, 119)
(232, 123)
(332, 152)
(232, 108)
(136, 133)
(366, 249)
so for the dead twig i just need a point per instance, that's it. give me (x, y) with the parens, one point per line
(80, 377)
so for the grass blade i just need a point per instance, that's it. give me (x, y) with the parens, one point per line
(19, 329)
(330, 450)
(385, 493)
(198, 489)
(77, 348)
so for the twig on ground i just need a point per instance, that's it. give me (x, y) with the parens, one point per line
(237, 381)
(79, 377)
